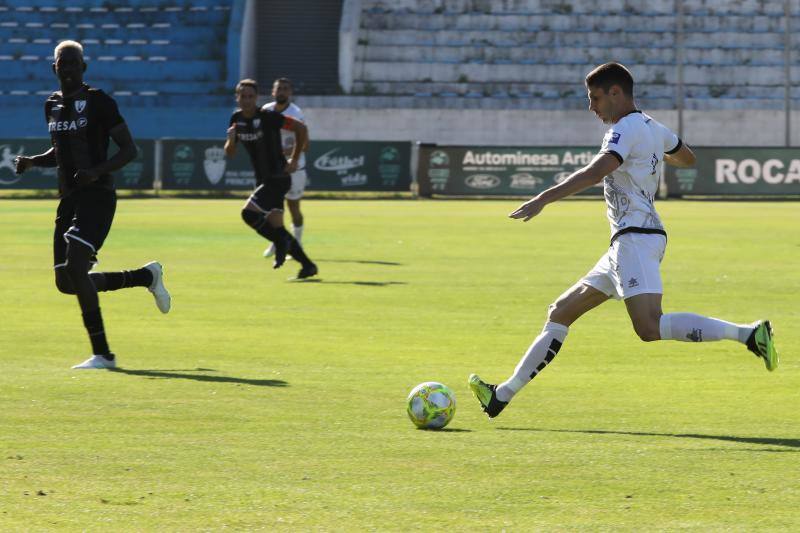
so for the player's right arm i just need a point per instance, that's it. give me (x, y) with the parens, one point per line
(230, 142)
(601, 166)
(47, 159)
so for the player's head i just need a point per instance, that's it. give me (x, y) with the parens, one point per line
(282, 90)
(247, 94)
(68, 65)
(610, 88)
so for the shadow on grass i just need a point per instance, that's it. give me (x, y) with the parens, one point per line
(359, 261)
(181, 374)
(767, 441)
(446, 430)
(362, 283)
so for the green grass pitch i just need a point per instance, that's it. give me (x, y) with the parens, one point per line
(263, 404)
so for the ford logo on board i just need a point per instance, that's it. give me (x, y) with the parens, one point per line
(482, 181)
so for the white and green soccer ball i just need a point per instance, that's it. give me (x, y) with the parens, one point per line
(431, 405)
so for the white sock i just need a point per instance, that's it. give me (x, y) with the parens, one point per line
(298, 233)
(541, 352)
(689, 327)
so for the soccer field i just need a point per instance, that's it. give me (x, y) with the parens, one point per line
(257, 403)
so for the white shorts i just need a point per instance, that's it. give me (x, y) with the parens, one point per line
(630, 267)
(299, 180)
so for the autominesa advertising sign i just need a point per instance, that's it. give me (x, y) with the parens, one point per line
(497, 171)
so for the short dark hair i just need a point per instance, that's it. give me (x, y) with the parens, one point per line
(610, 74)
(284, 80)
(247, 82)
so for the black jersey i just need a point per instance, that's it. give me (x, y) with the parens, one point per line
(261, 137)
(79, 130)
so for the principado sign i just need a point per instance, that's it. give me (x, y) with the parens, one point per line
(738, 171)
(498, 171)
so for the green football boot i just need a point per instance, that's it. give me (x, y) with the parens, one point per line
(762, 343)
(485, 393)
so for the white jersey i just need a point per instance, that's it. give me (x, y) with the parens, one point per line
(639, 142)
(287, 137)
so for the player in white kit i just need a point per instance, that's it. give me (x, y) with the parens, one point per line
(282, 95)
(629, 164)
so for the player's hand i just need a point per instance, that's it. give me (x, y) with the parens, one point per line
(291, 166)
(528, 210)
(85, 176)
(22, 163)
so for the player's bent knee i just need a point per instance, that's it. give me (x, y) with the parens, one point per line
(252, 218)
(79, 259)
(556, 313)
(648, 333)
(63, 283)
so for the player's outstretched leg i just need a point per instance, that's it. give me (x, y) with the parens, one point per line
(486, 395)
(150, 275)
(689, 327)
(761, 342)
(157, 288)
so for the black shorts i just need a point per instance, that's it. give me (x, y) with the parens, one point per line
(269, 195)
(83, 218)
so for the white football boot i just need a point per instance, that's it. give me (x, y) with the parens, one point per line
(96, 362)
(269, 252)
(162, 297)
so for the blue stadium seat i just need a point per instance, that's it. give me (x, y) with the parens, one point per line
(153, 52)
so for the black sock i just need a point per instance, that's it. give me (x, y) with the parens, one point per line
(267, 231)
(295, 249)
(93, 321)
(141, 277)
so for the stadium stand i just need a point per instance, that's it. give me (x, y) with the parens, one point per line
(534, 51)
(146, 53)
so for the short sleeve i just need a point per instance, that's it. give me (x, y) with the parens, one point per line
(232, 121)
(618, 142)
(108, 112)
(300, 116)
(672, 143)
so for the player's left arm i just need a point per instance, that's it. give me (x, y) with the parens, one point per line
(300, 141)
(683, 157)
(126, 153)
(601, 166)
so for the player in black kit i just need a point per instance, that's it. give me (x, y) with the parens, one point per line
(80, 120)
(260, 132)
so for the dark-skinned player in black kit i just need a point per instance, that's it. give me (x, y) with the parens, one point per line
(260, 133)
(81, 119)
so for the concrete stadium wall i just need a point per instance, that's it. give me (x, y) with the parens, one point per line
(539, 127)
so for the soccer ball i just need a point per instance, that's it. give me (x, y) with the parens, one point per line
(431, 405)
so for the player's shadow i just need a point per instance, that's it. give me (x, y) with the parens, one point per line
(189, 374)
(361, 283)
(359, 261)
(766, 441)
